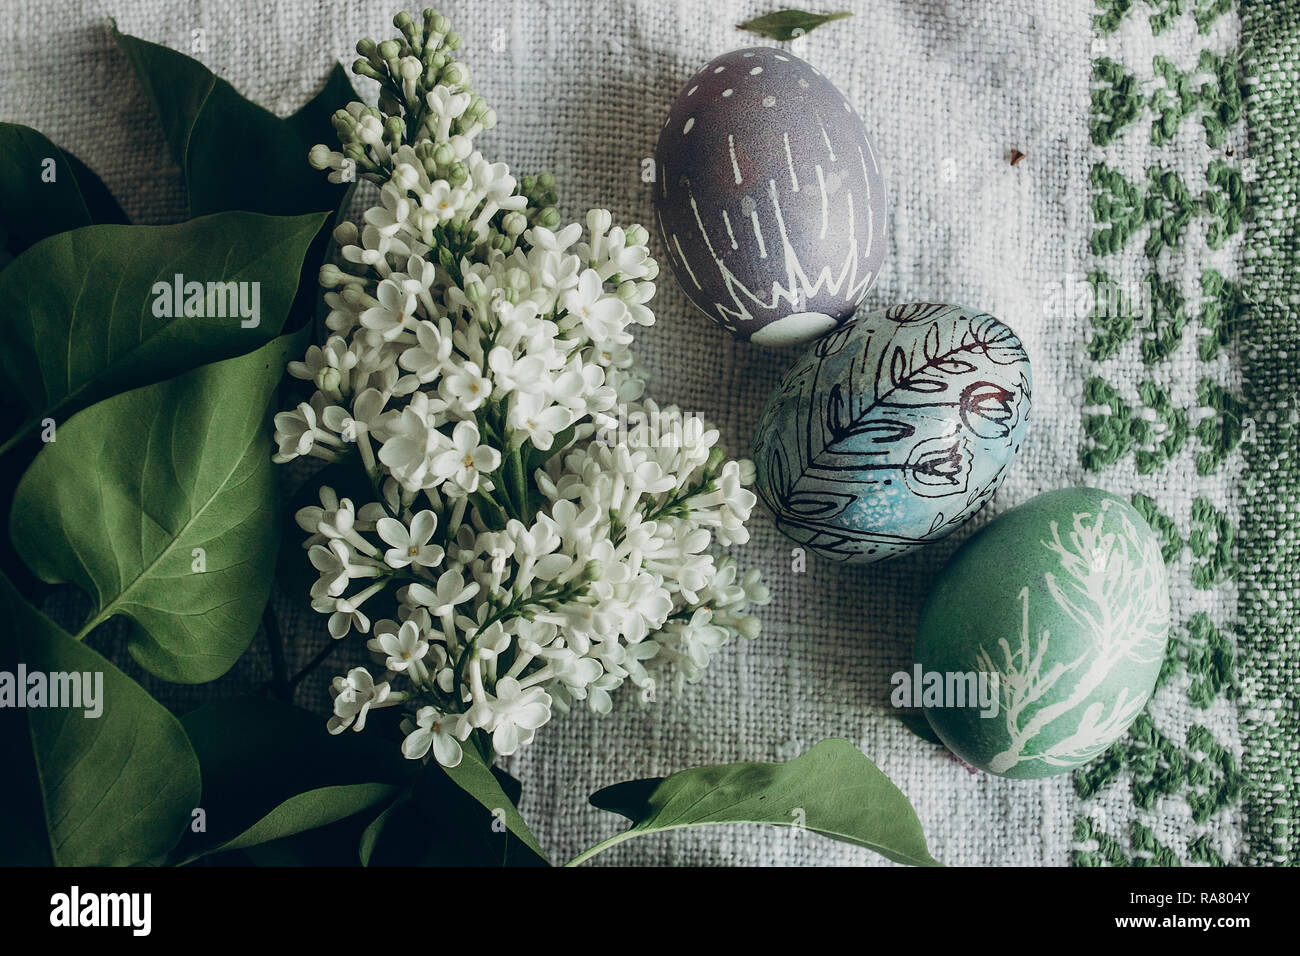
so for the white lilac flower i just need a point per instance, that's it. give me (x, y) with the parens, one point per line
(441, 733)
(602, 316)
(354, 695)
(411, 545)
(401, 649)
(549, 534)
(466, 460)
(513, 715)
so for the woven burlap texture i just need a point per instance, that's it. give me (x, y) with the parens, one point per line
(948, 90)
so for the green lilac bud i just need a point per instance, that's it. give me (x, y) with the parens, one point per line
(331, 276)
(514, 224)
(593, 571)
(367, 47)
(328, 380)
(716, 457)
(458, 174)
(549, 218)
(546, 180)
(344, 126)
(389, 50)
(637, 235)
(345, 234)
(363, 68)
(444, 155)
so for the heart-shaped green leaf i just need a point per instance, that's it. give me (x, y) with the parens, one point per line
(112, 790)
(438, 822)
(235, 154)
(271, 770)
(832, 790)
(160, 503)
(45, 190)
(86, 315)
(217, 137)
(476, 779)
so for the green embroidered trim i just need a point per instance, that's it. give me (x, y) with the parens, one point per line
(1112, 316)
(1162, 15)
(1223, 311)
(1147, 850)
(1202, 664)
(1172, 102)
(1211, 541)
(1112, 15)
(1155, 435)
(1223, 101)
(1201, 771)
(1225, 201)
(1168, 318)
(1116, 100)
(1121, 209)
(1117, 208)
(1221, 432)
(1159, 435)
(1171, 542)
(1207, 656)
(1218, 101)
(1108, 434)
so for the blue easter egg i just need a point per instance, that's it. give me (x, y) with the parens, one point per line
(893, 430)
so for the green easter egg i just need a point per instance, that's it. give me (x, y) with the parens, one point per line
(1042, 638)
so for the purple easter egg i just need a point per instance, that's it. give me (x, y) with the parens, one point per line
(769, 198)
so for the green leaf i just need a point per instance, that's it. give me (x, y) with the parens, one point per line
(832, 790)
(917, 724)
(472, 776)
(112, 790)
(315, 808)
(374, 830)
(160, 504)
(789, 24)
(80, 324)
(314, 120)
(439, 822)
(31, 207)
(271, 770)
(234, 154)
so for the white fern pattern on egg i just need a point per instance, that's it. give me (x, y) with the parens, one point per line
(1111, 584)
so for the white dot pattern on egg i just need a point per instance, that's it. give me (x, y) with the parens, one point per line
(770, 198)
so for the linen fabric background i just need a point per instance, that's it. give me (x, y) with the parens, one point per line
(948, 90)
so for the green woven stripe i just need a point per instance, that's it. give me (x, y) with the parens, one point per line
(1269, 551)
(1160, 401)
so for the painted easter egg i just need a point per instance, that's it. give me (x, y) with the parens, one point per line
(769, 197)
(1059, 609)
(893, 430)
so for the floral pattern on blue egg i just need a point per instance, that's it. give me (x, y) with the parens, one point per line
(893, 430)
(769, 198)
